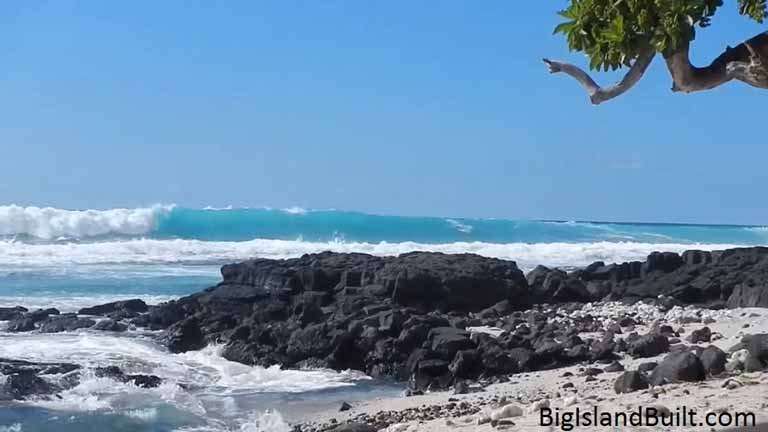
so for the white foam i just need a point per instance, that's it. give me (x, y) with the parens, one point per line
(758, 229)
(52, 223)
(295, 210)
(269, 421)
(73, 303)
(199, 384)
(460, 226)
(205, 368)
(16, 427)
(143, 414)
(15, 256)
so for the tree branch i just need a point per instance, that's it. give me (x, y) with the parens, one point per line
(748, 62)
(599, 94)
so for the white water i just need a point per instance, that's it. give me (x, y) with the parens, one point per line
(16, 255)
(205, 368)
(52, 223)
(200, 384)
(73, 303)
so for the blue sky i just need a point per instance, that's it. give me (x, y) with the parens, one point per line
(393, 107)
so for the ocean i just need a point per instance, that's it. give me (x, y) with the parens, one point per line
(71, 259)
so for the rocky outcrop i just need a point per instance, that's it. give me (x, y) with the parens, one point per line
(117, 310)
(52, 321)
(556, 286)
(732, 278)
(403, 317)
(65, 322)
(27, 321)
(139, 380)
(26, 380)
(736, 277)
(407, 317)
(12, 313)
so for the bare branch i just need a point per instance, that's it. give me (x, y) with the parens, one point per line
(599, 94)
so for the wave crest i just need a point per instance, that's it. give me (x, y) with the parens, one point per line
(51, 223)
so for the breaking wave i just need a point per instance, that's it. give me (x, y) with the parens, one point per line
(152, 252)
(51, 223)
(165, 222)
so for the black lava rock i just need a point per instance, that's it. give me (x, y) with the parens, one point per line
(630, 381)
(676, 367)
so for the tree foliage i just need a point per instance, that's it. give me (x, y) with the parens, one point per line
(614, 33)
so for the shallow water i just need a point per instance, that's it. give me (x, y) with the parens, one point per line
(201, 389)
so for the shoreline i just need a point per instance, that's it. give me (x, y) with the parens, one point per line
(467, 334)
(528, 389)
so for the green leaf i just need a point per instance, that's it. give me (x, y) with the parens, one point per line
(565, 27)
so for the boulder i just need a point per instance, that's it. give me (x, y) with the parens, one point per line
(555, 286)
(630, 381)
(184, 336)
(647, 367)
(464, 282)
(24, 384)
(523, 358)
(615, 366)
(13, 367)
(676, 367)
(662, 261)
(110, 325)
(21, 325)
(466, 364)
(11, 313)
(134, 305)
(139, 380)
(310, 342)
(41, 314)
(713, 360)
(498, 361)
(649, 345)
(703, 334)
(163, 316)
(757, 348)
(447, 341)
(65, 322)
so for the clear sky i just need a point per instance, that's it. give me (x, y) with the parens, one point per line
(394, 107)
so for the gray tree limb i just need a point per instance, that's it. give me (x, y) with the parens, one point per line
(597, 94)
(747, 62)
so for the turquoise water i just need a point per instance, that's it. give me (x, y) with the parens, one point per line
(247, 224)
(71, 259)
(62, 257)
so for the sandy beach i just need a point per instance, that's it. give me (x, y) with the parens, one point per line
(568, 388)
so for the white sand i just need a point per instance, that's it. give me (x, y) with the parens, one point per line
(526, 388)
